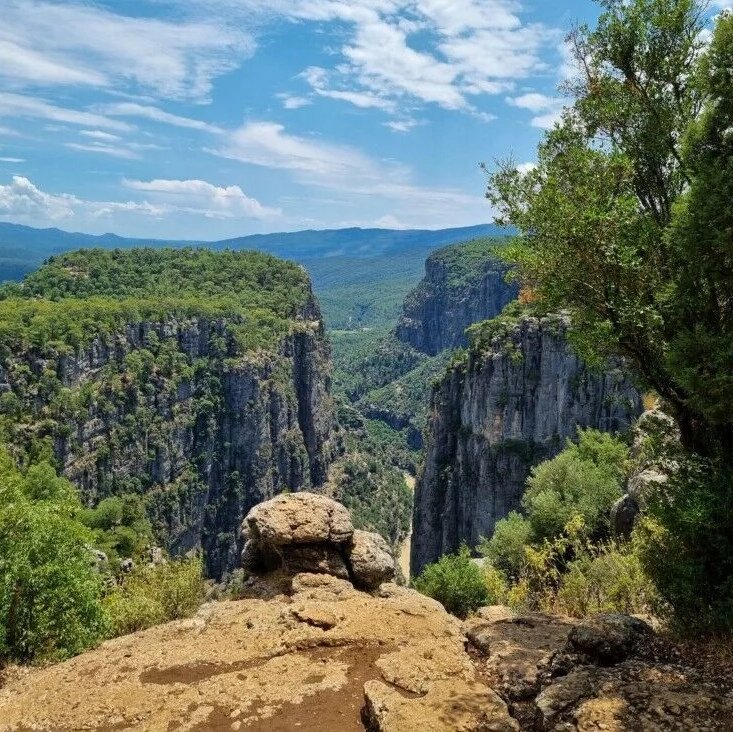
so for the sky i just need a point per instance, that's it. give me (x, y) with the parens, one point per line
(207, 119)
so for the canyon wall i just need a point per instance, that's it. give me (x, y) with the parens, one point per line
(502, 409)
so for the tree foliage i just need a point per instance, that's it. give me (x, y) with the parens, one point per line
(50, 592)
(455, 581)
(627, 218)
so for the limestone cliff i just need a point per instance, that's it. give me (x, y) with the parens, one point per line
(463, 284)
(203, 409)
(507, 406)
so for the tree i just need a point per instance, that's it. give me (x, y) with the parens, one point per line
(627, 219)
(50, 592)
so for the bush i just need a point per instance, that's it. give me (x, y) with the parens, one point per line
(505, 549)
(575, 576)
(457, 582)
(605, 579)
(566, 486)
(50, 593)
(153, 595)
(685, 544)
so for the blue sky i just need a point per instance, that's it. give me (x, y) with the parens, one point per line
(215, 118)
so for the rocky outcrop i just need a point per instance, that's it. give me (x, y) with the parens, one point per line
(654, 455)
(463, 284)
(497, 413)
(305, 532)
(607, 672)
(321, 656)
(177, 410)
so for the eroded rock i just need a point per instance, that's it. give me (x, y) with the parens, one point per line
(371, 561)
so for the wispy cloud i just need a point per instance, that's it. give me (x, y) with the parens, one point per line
(547, 109)
(291, 101)
(401, 52)
(199, 196)
(12, 160)
(20, 105)
(340, 168)
(102, 149)
(74, 43)
(131, 109)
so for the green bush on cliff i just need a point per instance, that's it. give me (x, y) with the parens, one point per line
(457, 582)
(153, 595)
(50, 592)
(685, 544)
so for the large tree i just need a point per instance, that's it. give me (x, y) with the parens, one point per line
(627, 220)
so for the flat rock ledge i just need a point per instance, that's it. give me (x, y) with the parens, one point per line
(325, 657)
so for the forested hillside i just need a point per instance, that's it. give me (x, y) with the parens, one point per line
(197, 380)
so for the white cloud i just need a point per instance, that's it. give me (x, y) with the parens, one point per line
(319, 82)
(99, 135)
(12, 160)
(75, 43)
(294, 102)
(402, 125)
(19, 105)
(547, 110)
(131, 109)
(397, 52)
(98, 147)
(198, 196)
(22, 201)
(390, 221)
(526, 167)
(267, 144)
(339, 168)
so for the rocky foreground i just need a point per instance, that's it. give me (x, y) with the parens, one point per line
(310, 651)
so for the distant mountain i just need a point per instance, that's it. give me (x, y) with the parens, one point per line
(360, 275)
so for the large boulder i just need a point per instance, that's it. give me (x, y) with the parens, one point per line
(371, 560)
(608, 638)
(298, 518)
(306, 532)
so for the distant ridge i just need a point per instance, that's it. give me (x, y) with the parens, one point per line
(23, 248)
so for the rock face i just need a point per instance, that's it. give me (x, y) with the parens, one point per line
(225, 432)
(607, 672)
(654, 451)
(463, 284)
(494, 416)
(305, 532)
(323, 657)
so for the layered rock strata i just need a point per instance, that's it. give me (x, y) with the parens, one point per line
(496, 414)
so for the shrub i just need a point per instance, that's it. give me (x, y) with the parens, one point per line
(455, 581)
(685, 544)
(153, 595)
(49, 590)
(605, 579)
(570, 485)
(505, 549)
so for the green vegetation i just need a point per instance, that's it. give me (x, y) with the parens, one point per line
(120, 527)
(368, 360)
(685, 545)
(50, 593)
(56, 597)
(370, 479)
(137, 345)
(557, 556)
(457, 582)
(467, 262)
(626, 221)
(153, 595)
(582, 482)
(407, 396)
